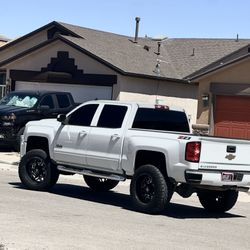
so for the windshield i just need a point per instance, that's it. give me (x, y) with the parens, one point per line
(19, 100)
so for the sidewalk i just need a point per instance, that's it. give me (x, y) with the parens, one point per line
(9, 158)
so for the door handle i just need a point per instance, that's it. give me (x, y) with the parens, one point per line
(115, 136)
(82, 133)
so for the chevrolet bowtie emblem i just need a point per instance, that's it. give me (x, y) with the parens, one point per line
(230, 157)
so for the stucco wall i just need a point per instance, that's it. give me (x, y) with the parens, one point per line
(40, 58)
(237, 73)
(126, 89)
(162, 92)
(23, 45)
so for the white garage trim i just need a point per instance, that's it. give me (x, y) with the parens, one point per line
(80, 93)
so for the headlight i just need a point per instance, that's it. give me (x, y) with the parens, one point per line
(10, 117)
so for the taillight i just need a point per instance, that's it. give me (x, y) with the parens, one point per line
(193, 151)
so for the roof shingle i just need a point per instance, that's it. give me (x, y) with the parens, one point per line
(178, 59)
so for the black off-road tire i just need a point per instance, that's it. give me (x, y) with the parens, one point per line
(149, 190)
(36, 171)
(100, 184)
(218, 201)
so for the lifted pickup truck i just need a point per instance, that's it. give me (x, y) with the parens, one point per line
(19, 107)
(111, 141)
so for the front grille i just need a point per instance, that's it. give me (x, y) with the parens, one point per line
(7, 133)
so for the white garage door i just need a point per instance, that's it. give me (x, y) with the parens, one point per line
(80, 93)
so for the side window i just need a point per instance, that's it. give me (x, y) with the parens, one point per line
(47, 101)
(112, 116)
(63, 100)
(83, 116)
(160, 119)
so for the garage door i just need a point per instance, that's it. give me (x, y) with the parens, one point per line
(81, 93)
(232, 116)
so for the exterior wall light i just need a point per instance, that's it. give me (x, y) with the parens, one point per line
(205, 99)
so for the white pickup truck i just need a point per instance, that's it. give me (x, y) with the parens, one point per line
(111, 141)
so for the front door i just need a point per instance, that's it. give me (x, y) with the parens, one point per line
(71, 139)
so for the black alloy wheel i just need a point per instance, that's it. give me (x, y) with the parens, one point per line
(218, 201)
(100, 184)
(145, 188)
(36, 171)
(149, 190)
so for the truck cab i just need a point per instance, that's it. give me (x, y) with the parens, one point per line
(19, 107)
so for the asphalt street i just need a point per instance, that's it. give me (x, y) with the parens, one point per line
(72, 216)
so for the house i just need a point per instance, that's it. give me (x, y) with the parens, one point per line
(200, 75)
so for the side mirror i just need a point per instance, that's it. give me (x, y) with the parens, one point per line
(44, 108)
(61, 118)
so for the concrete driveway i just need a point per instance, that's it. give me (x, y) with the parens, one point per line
(72, 216)
(10, 160)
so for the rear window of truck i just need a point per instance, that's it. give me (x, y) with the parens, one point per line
(161, 119)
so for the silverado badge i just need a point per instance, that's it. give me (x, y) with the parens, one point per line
(230, 157)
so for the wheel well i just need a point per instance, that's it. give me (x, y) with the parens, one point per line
(37, 142)
(157, 159)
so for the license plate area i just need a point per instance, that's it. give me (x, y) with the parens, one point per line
(227, 176)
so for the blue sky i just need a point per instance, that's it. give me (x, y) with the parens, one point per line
(171, 18)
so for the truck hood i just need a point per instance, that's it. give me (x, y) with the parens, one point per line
(7, 109)
(45, 123)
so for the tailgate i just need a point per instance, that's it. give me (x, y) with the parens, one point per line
(225, 154)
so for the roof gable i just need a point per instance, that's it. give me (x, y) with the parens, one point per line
(177, 59)
(222, 62)
(54, 28)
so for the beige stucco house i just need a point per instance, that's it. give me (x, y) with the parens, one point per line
(195, 74)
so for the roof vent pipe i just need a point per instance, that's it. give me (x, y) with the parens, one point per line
(137, 19)
(159, 48)
(193, 54)
(237, 38)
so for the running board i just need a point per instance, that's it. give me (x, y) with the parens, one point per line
(91, 173)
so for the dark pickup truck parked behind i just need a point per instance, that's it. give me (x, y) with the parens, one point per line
(19, 107)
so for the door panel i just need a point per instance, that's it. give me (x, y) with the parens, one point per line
(106, 138)
(104, 148)
(71, 139)
(232, 117)
(71, 145)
